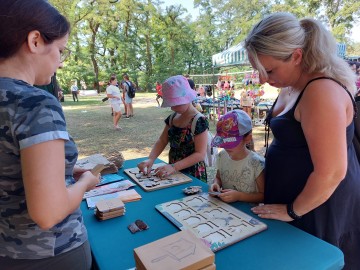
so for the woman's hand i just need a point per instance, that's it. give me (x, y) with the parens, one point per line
(78, 171)
(165, 171)
(272, 211)
(90, 179)
(145, 166)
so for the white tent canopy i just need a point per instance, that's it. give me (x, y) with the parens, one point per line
(235, 55)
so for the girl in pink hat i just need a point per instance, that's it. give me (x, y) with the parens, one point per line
(187, 150)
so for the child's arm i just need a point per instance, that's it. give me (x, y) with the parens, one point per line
(217, 184)
(200, 141)
(230, 195)
(159, 146)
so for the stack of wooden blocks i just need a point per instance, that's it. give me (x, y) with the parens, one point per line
(110, 208)
(182, 250)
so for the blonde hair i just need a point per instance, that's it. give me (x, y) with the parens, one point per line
(279, 34)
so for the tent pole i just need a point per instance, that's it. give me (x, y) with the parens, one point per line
(213, 90)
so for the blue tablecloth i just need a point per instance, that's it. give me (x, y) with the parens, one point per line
(281, 246)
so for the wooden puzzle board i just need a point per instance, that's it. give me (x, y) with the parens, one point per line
(216, 222)
(152, 182)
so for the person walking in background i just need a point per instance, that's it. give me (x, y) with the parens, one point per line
(240, 171)
(123, 91)
(128, 101)
(41, 189)
(74, 91)
(187, 150)
(311, 169)
(114, 95)
(159, 94)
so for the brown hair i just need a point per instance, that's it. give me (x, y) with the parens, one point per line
(18, 19)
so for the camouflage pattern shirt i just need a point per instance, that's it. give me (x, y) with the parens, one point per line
(29, 116)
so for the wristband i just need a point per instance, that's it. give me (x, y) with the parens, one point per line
(291, 212)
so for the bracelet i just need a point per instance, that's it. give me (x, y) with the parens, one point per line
(173, 165)
(291, 212)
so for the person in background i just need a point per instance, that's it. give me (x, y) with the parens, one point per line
(114, 94)
(311, 169)
(187, 151)
(232, 85)
(246, 102)
(201, 91)
(128, 101)
(74, 91)
(191, 82)
(356, 70)
(53, 88)
(159, 94)
(121, 87)
(218, 84)
(197, 106)
(41, 188)
(240, 172)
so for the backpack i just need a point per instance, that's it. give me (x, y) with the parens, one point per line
(211, 152)
(131, 89)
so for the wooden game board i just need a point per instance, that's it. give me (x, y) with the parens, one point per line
(216, 222)
(152, 182)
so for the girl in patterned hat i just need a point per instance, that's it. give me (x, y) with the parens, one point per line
(187, 151)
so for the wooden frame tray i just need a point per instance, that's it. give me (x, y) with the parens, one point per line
(216, 222)
(152, 182)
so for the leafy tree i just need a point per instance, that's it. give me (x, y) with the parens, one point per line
(150, 42)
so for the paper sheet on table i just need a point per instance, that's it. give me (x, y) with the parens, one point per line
(125, 195)
(109, 188)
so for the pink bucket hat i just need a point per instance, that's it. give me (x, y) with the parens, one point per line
(176, 91)
(231, 128)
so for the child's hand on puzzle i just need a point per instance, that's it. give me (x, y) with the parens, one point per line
(215, 190)
(145, 166)
(229, 195)
(165, 171)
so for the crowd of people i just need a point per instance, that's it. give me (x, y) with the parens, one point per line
(309, 178)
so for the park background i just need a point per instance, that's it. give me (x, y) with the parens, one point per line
(151, 40)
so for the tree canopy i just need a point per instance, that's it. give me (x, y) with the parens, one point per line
(151, 42)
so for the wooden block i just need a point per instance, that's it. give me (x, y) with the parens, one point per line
(179, 251)
(109, 205)
(109, 214)
(97, 169)
(209, 267)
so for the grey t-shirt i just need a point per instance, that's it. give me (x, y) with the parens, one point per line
(29, 116)
(240, 175)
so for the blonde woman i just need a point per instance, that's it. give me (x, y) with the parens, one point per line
(312, 175)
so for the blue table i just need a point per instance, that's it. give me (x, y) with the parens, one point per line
(281, 246)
